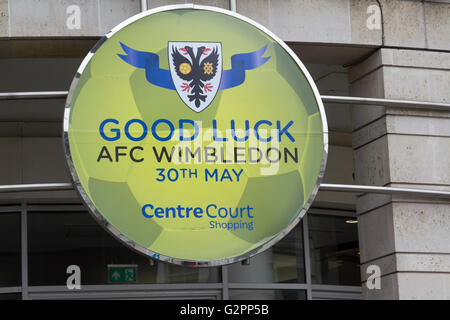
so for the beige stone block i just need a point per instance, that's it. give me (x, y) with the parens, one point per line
(424, 286)
(424, 113)
(370, 201)
(211, 3)
(359, 70)
(372, 163)
(418, 159)
(49, 18)
(335, 197)
(113, 12)
(420, 227)
(416, 84)
(371, 86)
(408, 262)
(369, 133)
(437, 24)
(257, 10)
(423, 262)
(311, 20)
(403, 23)
(415, 58)
(339, 170)
(388, 289)
(387, 265)
(339, 165)
(4, 18)
(225, 4)
(376, 233)
(158, 3)
(359, 15)
(414, 125)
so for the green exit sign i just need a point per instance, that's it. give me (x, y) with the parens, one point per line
(122, 273)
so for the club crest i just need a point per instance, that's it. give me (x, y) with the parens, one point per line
(196, 70)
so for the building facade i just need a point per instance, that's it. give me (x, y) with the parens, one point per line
(397, 51)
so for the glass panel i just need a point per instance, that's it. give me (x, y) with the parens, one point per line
(169, 273)
(334, 250)
(10, 257)
(285, 294)
(10, 296)
(283, 263)
(59, 239)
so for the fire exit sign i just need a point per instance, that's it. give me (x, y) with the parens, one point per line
(122, 273)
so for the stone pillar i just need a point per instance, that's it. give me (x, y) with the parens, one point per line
(407, 237)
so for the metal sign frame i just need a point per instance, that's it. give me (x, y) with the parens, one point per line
(113, 230)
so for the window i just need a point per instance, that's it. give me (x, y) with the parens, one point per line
(58, 239)
(10, 248)
(334, 249)
(61, 235)
(283, 263)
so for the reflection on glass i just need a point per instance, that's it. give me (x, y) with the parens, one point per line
(10, 261)
(334, 250)
(283, 263)
(289, 258)
(60, 239)
(169, 273)
(249, 294)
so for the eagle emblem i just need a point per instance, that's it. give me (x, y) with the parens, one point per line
(196, 70)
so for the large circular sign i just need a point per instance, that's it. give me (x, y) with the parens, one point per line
(195, 135)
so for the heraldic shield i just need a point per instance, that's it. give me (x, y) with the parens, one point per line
(196, 70)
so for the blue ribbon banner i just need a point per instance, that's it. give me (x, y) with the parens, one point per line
(161, 77)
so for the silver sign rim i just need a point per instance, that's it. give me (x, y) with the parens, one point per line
(113, 230)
